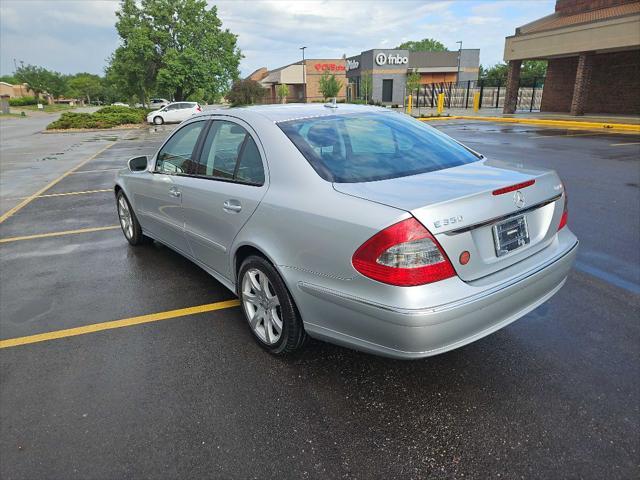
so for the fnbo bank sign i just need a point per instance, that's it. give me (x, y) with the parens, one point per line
(391, 59)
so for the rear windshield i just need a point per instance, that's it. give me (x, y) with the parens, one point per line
(373, 146)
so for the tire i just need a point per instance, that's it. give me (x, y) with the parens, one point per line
(262, 313)
(158, 120)
(129, 222)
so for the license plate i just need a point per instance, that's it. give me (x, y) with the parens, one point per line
(510, 235)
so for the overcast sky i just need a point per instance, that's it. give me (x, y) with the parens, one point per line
(79, 35)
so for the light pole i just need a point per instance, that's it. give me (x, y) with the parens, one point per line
(304, 76)
(459, 56)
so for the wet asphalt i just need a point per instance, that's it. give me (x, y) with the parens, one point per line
(554, 395)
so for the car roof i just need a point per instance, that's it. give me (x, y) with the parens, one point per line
(294, 111)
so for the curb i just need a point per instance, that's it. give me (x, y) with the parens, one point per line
(625, 127)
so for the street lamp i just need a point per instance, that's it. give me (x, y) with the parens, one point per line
(459, 56)
(304, 76)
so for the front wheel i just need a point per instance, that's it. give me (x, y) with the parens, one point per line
(158, 120)
(268, 307)
(128, 221)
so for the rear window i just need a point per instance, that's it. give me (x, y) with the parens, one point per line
(373, 146)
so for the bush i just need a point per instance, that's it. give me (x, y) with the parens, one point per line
(22, 101)
(245, 92)
(107, 117)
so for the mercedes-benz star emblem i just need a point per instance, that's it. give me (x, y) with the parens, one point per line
(518, 199)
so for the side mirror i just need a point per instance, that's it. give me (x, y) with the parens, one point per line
(138, 164)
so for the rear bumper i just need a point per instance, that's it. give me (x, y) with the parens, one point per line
(394, 331)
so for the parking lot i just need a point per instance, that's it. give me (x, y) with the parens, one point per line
(188, 394)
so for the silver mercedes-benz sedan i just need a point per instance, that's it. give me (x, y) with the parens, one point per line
(352, 224)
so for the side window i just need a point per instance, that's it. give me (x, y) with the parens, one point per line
(221, 149)
(175, 156)
(250, 167)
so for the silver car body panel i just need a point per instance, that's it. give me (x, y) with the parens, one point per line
(309, 229)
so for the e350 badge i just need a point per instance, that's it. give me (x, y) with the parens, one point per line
(447, 221)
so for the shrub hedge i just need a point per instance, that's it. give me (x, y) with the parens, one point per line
(22, 101)
(107, 117)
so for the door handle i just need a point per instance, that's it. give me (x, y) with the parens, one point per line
(232, 206)
(174, 192)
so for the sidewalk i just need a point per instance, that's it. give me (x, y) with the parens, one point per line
(625, 123)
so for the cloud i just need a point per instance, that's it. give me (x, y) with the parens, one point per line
(72, 36)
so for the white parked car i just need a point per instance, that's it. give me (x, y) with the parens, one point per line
(174, 113)
(157, 103)
(119, 104)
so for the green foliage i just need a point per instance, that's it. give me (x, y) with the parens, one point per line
(22, 101)
(413, 82)
(424, 45)
(175, 48)
(366, 86)
(329, 85)
(531, 70)
(36, 78)
(9, 79)
(283, 92)
(107, 117)
(85, 85)
(245, 92)
(41, 80)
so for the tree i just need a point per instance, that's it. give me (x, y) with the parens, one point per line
(283, 92)
(413, 82)
(85, 85)
(366, 86)
(9, 79)
(329, 85)
(531, 70)
(56, 84)
(424, 45)
(245, 92)
(36, 78)
(175, 47)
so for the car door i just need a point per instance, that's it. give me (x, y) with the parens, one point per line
(184, 112)
(224, 191)
(159, 200)
(172, 114)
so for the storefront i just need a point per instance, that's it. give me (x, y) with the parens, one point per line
(380, 75)
(302, 79)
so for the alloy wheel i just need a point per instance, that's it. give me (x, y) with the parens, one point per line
(126, 222)
(262, 306)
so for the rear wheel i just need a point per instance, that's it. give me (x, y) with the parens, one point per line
(268, 307)
(158, 120)
(128, 221)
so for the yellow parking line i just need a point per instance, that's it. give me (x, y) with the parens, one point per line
(126, 322)
(587, 134)
(58, 234)
(78, 172)
(623, 144)
(84, 192)
(30, 198)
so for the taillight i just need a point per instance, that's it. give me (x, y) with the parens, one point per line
(404, 254)
(565, 211)
(198, 109)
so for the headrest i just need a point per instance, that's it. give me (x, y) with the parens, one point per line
(322, 134)
(236, 129)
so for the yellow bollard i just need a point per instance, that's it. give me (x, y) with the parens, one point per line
(409, 104)
(476, 101)
(440, 103)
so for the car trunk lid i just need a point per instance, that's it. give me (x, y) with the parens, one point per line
(467, 209)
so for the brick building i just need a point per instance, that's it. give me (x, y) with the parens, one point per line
(302, 78)
(593, 53)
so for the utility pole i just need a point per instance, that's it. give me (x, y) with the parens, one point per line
(304, 76)
(459, 57)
